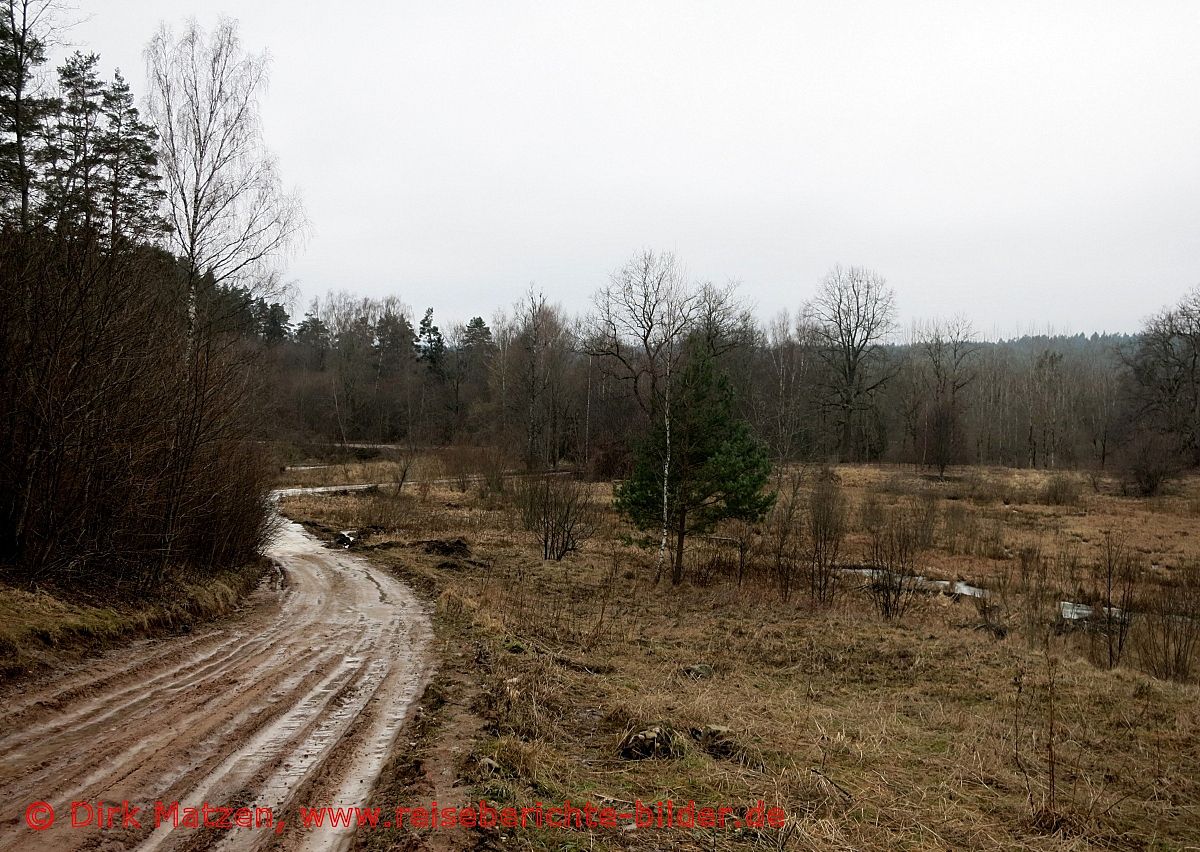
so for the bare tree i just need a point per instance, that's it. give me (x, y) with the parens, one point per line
(230, 217)
(852, 315)
(946, 351)
(543, 346)
(785, 370)
(1098, 404)
(1116, 576)
(1165, 367)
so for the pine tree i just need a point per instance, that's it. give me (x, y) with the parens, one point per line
(431, 347)
(476, 335)
(394, 343)
(718, 469)
(23, 109)
(273, 324)
(313, 335)
(131, 197)
(71, 162)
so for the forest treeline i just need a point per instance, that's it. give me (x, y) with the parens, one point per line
(129, 412)
(837, 380)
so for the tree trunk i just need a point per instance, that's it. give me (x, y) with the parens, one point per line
(680, 534)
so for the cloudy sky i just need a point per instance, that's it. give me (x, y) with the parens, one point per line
(1032, 165)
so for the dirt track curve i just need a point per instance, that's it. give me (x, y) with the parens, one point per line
(297, 703)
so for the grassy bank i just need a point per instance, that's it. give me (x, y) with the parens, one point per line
(43, 629)
(585, 680)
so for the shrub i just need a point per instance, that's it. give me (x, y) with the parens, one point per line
(1115, 579)
(870, 512)
(1061, 489)
(785, 534)
(927, 518)
(558, 511)
(894, 548)
(961, 530)
(1150, 462)
(1168, 627)
(827, 528)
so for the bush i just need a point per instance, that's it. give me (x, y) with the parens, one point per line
(1168, 627)
(785, 534)
(1061, 489)
(894, 548)
(128, 440)
(558, 511)
(927, 518)
(870, 512)
(961, 528)
(827, 528)
(1149, 462)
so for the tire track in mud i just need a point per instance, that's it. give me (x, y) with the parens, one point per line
(306, 691)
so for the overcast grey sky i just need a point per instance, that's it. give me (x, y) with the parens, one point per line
(1028, 164)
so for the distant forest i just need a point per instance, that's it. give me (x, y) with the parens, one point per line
(829, 383)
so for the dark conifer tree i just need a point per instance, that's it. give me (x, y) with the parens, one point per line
(23, 108)
(70, 157)
(718, 469)
(131, 196)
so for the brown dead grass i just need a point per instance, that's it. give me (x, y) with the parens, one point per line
(41, 630)
(927, 734)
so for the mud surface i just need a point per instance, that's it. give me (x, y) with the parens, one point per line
(296, 703)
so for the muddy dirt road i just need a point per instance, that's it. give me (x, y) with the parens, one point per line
(296, 703)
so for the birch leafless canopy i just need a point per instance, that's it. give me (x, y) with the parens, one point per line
(230, 216)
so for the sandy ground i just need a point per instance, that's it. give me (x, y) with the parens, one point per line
(295, 704)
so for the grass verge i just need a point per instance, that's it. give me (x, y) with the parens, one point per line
(40, 630)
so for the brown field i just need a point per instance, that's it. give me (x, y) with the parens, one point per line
(385, 465)
(923, 733)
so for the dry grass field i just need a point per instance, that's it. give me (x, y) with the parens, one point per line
(922, 732)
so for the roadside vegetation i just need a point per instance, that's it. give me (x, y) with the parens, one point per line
(136, 265)
(42, 631)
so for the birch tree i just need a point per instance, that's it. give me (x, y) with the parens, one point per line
(637, 330)
(230, 217)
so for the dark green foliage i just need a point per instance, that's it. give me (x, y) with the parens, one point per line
(23, 108)
(717, 469)
(430, 344)
(131, 197)
(82, 160)
(70, 163)
(312, 332)
(394, 343)
(477, 337)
